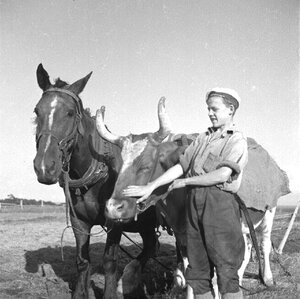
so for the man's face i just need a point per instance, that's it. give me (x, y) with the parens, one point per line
(220, 115)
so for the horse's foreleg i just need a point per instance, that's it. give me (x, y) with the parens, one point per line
(267, 245)
(81, 231)
(150, 243)
(110, 260)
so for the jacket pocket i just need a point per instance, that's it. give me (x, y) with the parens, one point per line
(211, 162)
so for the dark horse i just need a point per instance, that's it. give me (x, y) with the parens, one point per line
(71, 152)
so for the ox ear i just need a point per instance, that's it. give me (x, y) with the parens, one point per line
(78, 86)
(170, 153)
(42, 77)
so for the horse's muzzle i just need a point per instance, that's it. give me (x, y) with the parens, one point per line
(47, 172)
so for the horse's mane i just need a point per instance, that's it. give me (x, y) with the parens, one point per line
(60, 83)
(88, 112)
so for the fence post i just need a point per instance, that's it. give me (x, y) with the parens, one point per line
(42, 203)
(282, 243)
(21, 204)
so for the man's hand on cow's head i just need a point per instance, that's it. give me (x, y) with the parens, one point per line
(139, 191)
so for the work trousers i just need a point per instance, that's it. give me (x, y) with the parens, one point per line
(214, 239)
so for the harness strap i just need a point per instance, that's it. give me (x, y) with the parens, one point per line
(69, 203)
(252, 234)
(63, 143)
(94, 173)
(97, 170)
(71, 94)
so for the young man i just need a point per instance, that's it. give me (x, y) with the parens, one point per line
(212, 167)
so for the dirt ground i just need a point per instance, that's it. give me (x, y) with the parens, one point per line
(31, 263)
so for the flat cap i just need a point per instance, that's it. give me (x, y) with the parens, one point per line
(228, 93)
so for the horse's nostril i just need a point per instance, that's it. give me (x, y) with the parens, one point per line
(51, 169)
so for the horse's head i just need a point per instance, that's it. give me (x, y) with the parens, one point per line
(58, 122)
(142, 158)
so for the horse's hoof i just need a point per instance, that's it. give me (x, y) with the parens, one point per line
(269, 282)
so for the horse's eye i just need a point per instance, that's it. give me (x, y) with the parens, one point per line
(71, 113)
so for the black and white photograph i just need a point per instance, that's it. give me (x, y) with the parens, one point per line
(149, 149)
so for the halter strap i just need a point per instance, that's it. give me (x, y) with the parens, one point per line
(71, 94)
(63, 144)
(96, 171)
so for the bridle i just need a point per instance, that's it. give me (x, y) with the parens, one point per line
(65, 144)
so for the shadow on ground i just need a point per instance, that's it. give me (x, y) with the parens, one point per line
(157, 276)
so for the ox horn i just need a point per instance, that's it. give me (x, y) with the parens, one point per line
(164, 120)
(103, 131)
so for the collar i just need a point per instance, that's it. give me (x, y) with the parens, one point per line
(229, 130)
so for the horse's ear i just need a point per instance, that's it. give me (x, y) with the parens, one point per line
(42, 78)
(78, 86)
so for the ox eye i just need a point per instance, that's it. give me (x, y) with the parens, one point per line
(71, 113)
(144, 169)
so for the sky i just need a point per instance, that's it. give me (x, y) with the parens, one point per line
(141, 50)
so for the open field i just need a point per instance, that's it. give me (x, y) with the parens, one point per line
(31, 265)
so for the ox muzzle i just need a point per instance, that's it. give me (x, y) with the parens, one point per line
(121, 210)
